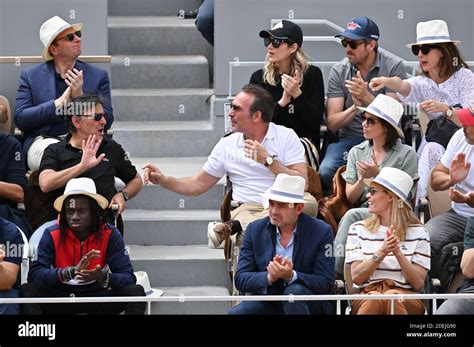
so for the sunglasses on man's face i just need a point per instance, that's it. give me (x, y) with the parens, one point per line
(425, 49)
(70, 37)
(275, 42)
(95, 116)
(351, 44)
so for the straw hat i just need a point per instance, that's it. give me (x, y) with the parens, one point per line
(387, 108)
(433, 31)
(80, 186)
(51, 29)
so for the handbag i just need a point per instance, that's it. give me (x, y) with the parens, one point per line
(440, 130)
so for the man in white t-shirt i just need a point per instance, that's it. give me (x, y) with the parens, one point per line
(454, 173)
(252, 155)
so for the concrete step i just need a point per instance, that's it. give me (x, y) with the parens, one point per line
(150, 7)
(171, 228)
(161, 104)
(180, 266)
(168, 139)
(204, 307)
(156, 35)
(140, 71)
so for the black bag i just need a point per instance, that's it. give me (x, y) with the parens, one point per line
(440, 130)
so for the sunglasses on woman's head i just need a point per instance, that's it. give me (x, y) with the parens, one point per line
(275, 42)
(70, 37)
(425, 49)
(351, 44)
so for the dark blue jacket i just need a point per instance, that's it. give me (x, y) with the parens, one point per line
(313, 258)
(35, 113)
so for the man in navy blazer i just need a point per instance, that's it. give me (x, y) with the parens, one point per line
(45, 90)
(285, 253)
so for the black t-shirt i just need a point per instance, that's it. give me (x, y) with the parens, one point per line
(62, 155)
(303, 114)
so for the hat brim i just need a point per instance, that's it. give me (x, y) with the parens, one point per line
(46, 55)
(280, 198)
(369, 181)
(267, 33)
(103, 203)
(352, 36)
(372, 112)
(7, 126)
(427, 42)
(465, 116)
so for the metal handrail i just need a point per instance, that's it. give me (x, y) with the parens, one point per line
(229, 298)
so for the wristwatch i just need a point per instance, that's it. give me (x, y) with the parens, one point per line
(376, 258)
(269, 160)
(125, 195)
(450, 112)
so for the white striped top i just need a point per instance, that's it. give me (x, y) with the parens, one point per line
(362, 244)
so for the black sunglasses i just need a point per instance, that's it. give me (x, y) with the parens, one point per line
(275, 42)
(368, 120)
(425, 49)
(95, 116)
(70, 37)
(372, 190)
(351, 44)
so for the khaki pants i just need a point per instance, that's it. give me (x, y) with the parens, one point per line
(413, 306)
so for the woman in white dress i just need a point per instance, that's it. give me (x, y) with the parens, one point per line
(445, 83)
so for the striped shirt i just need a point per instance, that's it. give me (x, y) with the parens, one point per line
(362, 244)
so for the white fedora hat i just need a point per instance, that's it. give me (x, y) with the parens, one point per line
(286, 188)
(5, 115)
(395, 180)
(144, 281)
(80, 186)
(387, 108)
(433, 31)
(51, 29)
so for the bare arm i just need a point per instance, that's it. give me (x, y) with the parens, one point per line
(414, 273)
(394, 83)
(191, 186)
(337, 117)
(132, 188)
(12, 192)
(354, 191)
(467, 263)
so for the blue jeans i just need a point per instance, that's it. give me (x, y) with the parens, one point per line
(205, 20)
(336, 156)
(286, 307)
(9, 308)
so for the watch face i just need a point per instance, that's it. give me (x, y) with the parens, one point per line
(269, 160)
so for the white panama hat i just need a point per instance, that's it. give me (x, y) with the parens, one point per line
(395, 180)
(51, 29)
(286, 188)
(433, 31)
(80, 186)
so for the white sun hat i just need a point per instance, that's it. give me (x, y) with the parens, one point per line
(387, 108)
(51, 29)
(80, 186)
(395, 180)
(433, 31)
(286, 188)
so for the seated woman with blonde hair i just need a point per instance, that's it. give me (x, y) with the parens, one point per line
(389, 253)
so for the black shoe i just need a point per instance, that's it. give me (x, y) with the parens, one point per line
(182, 14)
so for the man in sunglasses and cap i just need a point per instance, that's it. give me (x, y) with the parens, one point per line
(86, 152)
(285, 254)
(348, 89)
(44, 90)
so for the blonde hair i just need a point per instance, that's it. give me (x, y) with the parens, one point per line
(299, 61)
(401, 217)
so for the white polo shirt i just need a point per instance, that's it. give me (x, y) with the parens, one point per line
(458, 144)
(249, 178)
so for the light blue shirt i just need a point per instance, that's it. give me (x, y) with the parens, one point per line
(288, 251)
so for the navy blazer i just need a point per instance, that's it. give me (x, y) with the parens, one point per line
(35, 113)
(313, 258)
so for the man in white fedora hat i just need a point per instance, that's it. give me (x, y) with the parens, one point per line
(81, 255)
(45, 90)
(285, 253)
(347, 89)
